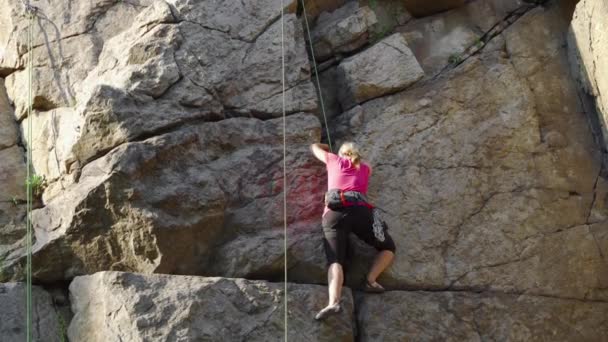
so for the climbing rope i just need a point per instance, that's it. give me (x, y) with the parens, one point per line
(314, 63)
(30, 11)
(284, 158)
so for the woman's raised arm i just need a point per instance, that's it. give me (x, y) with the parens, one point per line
(320, 151)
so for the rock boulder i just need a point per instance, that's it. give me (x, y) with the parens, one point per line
(386, 67)
(46, 324)
(588, 46)
(342, 31)
(461, 316)
(114, 306)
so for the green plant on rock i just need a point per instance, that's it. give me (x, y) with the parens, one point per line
(455, 58)
(63, 331)
(38, 184)
(2, 269)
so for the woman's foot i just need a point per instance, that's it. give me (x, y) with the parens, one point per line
(372, 287)
(328, 311)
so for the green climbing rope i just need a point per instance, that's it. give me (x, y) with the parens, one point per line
(29, 191)
(314, 63)
(284, 162)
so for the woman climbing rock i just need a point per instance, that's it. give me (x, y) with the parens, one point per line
(347, 210)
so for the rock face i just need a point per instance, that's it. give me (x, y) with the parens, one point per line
(214, 189)
(45, 325)
(343, 30)
(437, 41)
(113, 306)
(456, 316)
(162, 141)
(12, 182)
(12, 165)
(8, 129)
(386, 67)
(170, 69)
(490, 183)
(588, 46)
(12, 174)
(171, 64)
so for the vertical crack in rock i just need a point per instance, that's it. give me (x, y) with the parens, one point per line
(597, 244)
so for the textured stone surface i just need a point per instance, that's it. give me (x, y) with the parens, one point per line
(8, 127)
(343, 30)
(489, 182)
(45, 324)
(385, 68)
(12, 174)
(112, 306)
(160, 140)
(214, 189)
(588, 45)
(107, 84)
(421, 8)
(437, 40)
(12, 227)
(316, 7)
(455, 316)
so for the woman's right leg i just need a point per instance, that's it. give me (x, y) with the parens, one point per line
(335, 243)
(335, 279)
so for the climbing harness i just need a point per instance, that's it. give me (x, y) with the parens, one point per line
(31, 12)
(336, 199)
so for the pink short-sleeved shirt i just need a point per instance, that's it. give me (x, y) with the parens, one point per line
(343, 174)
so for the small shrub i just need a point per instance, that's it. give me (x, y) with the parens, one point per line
(455, 58)
(63, 331)
(38, 184)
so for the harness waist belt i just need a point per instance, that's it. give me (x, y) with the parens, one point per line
(350, 198)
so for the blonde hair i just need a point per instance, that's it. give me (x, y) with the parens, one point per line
(350, 151)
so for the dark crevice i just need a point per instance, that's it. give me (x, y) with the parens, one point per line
(489, 35)
(357, 326)
(480, 289)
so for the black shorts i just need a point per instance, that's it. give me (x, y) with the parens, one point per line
(338, 224)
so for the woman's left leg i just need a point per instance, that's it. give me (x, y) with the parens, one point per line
(379, 238)
(383, 260)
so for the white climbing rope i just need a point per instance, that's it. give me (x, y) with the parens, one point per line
(314, 63)
(284, 159)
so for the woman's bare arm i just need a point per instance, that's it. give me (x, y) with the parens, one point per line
(319, 150)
